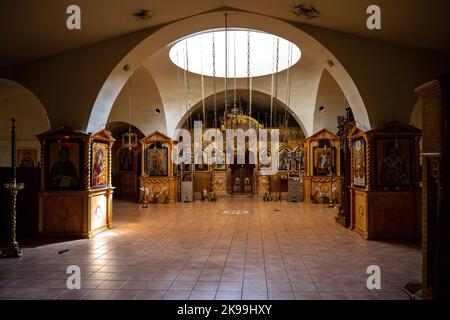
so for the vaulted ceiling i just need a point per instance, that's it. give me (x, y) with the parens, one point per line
(31, 30)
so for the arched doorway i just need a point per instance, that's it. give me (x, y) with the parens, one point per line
(126, 161)
(243, 177)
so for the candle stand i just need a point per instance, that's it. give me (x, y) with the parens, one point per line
(13, 251)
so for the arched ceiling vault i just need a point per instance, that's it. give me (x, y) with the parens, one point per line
(152, 53)
(305, 78)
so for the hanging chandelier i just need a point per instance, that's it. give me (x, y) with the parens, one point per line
(129, 139)
(234, 54)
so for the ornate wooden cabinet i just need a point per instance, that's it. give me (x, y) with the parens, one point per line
(75, 199)
(385, 182)
(322, 177)
(435, 97)
(157, 168)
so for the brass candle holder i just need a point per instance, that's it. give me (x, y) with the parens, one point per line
(13, 187)
(331, 203)
(13, 251)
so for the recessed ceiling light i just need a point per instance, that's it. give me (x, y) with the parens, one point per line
(322, 109)
(157, 111)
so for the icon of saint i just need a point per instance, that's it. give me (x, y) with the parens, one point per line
(63, 173)
(393, 170)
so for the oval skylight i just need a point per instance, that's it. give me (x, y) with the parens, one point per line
(198, 49)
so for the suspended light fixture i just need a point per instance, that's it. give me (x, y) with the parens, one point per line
(187, 85)
(249, 76)
(203, 89)
(274, 79)
(236, 110)
(226, 64)
(214, 77)
(129, 139)
(288, 87)
(179, 85)
(234, 69)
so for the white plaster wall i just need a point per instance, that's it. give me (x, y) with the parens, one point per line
(17, 102)
(331, 96)
(145, 98)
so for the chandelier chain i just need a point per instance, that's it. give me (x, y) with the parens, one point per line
(226, 62)
(288, 86)
(234, 71)
(178, 85)
(275, 68)
(203, 86)
(188, 85)
(214, 78)
(249, 76)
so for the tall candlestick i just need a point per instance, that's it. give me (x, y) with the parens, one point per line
(13, 150)
(13, 187)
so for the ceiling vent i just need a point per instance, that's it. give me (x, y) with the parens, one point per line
(306, 11)
(142, 15)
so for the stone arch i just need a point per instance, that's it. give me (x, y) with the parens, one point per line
(263, 95)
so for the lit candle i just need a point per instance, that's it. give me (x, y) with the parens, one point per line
(13, 150)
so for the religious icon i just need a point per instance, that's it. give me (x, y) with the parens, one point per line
(126, 160)
(26, 158)
(99, 164)
(324, 161)
(294, 162)
(394, 162)
(157, 160)
(359, 162)
(283, 165)
(220, 165)
(201, 167)
(264, 159)
(64, 163)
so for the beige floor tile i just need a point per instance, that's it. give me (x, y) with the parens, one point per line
(191, 251)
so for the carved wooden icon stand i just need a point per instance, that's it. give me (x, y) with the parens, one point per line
(75, 199)
(322, 178)
(385, 182)
(157, 169)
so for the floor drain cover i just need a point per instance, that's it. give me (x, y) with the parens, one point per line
(236, 212)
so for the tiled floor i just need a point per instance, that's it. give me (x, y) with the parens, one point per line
(193, 251)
